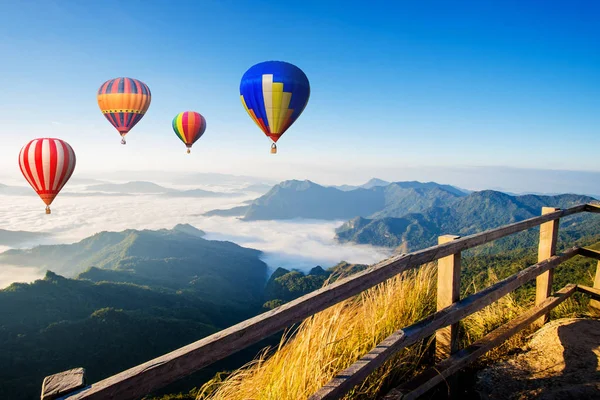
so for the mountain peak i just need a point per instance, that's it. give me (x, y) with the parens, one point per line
(297, 185)
(53, 277)
(492, 195)
(373, 182)
(189, 229)
(318, 271)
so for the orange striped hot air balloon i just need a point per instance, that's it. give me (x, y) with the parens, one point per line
(124, 101)
(189, 126)
(47, 164)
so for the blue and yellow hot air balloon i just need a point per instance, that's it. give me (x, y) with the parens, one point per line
(124, 101)
(274, 93)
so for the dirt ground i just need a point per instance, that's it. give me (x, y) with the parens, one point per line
(560, 362)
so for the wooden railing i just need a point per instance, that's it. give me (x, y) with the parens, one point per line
(159, 372)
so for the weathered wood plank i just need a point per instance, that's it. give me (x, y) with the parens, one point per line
(157, 373)
(595, 254)
(57, 385)
(590, 253)
(592, 207)
(405, 337)
(448, 292)
(433, 376)
(594, 293)
(546, 249)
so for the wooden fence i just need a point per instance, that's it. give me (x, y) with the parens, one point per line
(145, 378)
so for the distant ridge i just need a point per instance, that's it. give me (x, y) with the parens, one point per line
(306, 199)
(129, 187)
(176, 255)
(476, 212)
(143, 187)
(373, 182)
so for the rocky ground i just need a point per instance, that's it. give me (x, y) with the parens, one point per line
(562, 361)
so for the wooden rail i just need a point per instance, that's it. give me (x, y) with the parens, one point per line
(159, 372)
(442, 370)
(353, 375)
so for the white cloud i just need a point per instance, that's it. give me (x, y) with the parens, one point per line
(10, 274)
(290, 244)
(300, 244)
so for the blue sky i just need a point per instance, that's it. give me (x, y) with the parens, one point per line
(394, 84)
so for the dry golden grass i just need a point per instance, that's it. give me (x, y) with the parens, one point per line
(333, 339)
(478, 324)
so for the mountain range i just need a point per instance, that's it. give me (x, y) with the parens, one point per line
(408, 215)
(466, 215)
(133, 295)
(306, 199)
(370, 184)
(139, 187)
(133, 188)
(176, 259)
(116, 299)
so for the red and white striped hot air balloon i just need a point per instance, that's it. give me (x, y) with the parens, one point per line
(47, 164)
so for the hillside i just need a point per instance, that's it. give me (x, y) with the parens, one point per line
(473, 213)
(285, 285)
(177, 259)
(134, 295)
(306, 199)
(56, 323)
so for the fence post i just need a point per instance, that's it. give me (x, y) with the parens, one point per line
(546, 249)
(448, 292)
(595, 304)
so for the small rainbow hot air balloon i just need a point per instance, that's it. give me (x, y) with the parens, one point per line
(124, 101)
(189, 126)
(274, 93)
(47, 164)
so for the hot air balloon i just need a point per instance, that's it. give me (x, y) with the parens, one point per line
(124, 101)
(47, 164)
(189, 126)
(274, 93)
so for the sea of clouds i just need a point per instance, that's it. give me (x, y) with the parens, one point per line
(299, 244)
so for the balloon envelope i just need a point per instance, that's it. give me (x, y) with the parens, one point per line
(124, 101)
(189, 126)
(47, 164)
(274, 93)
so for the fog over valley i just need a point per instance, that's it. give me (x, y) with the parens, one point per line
(83, 210)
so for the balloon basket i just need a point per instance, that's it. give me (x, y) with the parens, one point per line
(188, 151)
(123, 141)
(48, 210)
(273, 149)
